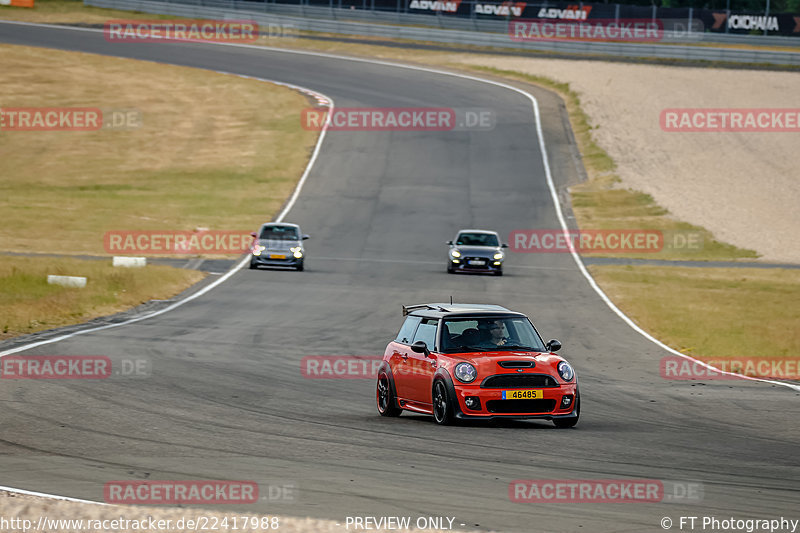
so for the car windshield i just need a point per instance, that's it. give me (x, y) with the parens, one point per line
(477, 239)
(490, 334)
(285, 233)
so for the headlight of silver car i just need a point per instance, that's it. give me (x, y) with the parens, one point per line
(465, 373)
(455, 253)
(565, 371)
(498, 256)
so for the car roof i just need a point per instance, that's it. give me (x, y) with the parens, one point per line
(270, 224)
(442, 310)
(477, 231)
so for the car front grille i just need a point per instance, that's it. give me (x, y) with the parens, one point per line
(520, 406)
(518, 381)
(287, 256)
(468, 259)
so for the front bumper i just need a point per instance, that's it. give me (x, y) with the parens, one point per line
(461, 416)
(492, 404)
(467, 264)
(265, 259)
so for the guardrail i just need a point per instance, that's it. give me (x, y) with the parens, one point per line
(437, 20)
(472, 32)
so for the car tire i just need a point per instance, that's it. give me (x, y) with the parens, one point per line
(300, 267)
(569, 422)
(253, 266)
(450, 270)
(384, 396)
(442, 407)
(498, 273)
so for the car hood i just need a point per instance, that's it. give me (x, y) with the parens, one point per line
(276, 244)
(477, 251)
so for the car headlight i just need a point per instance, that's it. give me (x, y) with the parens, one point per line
(257, 249)
(465, 373)
(297, 252)
(565, 371)
(455, 253)
(498, 256)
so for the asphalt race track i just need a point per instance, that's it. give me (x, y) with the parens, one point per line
(227, 400)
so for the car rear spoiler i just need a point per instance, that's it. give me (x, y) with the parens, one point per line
(411, 308)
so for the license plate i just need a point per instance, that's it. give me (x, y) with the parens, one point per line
(476, 262)
(277, 256)
(524, 394)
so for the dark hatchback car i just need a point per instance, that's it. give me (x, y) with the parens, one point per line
(278, 245)
(473, 361)
(475, 250)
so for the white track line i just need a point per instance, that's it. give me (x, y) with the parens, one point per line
(548, 174)
(51, 496)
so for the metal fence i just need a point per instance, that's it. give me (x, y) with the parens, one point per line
(448, 30)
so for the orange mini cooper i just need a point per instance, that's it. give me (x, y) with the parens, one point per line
(469, 361)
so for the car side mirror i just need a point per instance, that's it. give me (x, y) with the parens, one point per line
(504, 245)
(306, 237)
(253, 234)
(450, 243)
(553, 345)
(420, 347)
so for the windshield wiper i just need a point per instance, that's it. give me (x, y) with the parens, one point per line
(517, 347)
(461, 348)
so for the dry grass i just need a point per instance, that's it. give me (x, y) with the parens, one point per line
(600, 203)
(713, 313)
(213, 151)
(28, 304)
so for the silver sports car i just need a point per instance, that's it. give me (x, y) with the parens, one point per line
(476, 250)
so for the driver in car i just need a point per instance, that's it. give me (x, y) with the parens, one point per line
(493, 334)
